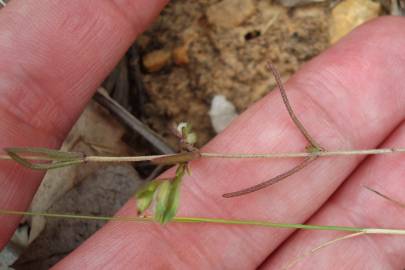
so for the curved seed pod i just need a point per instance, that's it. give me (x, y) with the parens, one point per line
(271, 181)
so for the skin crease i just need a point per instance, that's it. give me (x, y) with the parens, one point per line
(353, 205)
(53, 57)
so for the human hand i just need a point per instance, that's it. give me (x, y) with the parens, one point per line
(350, 97)
(54, 55)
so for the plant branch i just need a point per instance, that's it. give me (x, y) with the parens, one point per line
(314, 147)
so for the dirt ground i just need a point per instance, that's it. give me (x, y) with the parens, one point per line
(227, 59)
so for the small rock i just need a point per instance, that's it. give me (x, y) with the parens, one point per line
(230, 13)
(351, 13)
(293, 3)
(222, 113)
(156, 60)
(180, 55)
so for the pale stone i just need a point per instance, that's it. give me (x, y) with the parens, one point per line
(349, 14)
(180, 55)
(222, 113)
(156, 60)
(230, 13)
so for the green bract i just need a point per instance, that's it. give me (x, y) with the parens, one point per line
(144, 196)
(166, 194)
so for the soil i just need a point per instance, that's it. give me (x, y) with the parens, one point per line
(230, 61)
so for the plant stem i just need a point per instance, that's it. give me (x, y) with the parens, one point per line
(125, 159)
(210, 220)
(231, 155)
(307, 154)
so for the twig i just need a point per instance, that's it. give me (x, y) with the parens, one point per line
(132, 122)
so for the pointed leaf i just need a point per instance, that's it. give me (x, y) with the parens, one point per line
(144, 195)
(162, 197)
(174, 196)
(52, 154)
(61, 158)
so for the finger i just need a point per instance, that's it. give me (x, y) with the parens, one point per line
(53, 56)
(353, 205)
(337, 101)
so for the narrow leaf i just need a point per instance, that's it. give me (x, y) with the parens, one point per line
(162, 198)
(61, 158)
(46, 152)
(174, 196)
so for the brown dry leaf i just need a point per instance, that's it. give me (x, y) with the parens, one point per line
(101, 193)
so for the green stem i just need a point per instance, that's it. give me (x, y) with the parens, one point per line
(211, 220)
